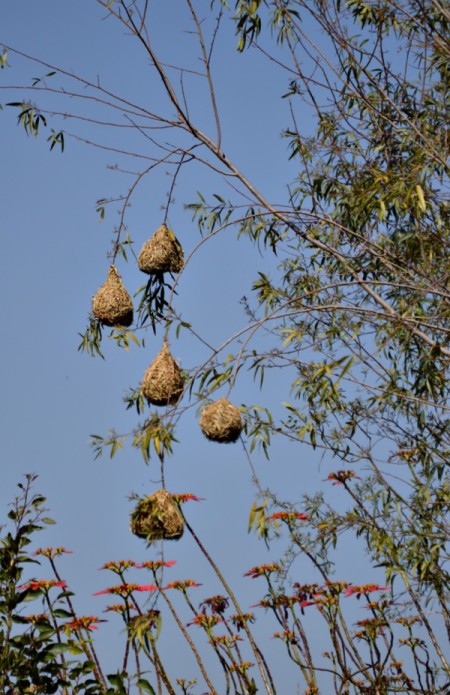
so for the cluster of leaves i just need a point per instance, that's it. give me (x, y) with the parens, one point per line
(51, 650)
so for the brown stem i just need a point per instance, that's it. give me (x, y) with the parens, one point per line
(190, 642)
(88, 650)
(263, 668)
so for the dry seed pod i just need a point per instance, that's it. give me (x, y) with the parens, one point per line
(162, 383)
(221, 422)
(157, 517)
(162, 253)
(112, 305)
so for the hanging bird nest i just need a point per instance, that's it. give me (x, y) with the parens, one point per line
(112, 305)
(157, 517)
(221, 422)
(162, 253)
(163, 383)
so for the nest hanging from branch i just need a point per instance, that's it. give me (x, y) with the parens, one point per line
(112, 305)
(221, 422)
(157, 517)
(163, 383)
(162, 253)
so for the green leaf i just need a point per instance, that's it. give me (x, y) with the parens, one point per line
(145, 685)
(117, 681)
(47, 520)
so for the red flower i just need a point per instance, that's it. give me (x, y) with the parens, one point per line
(52, 552)
(126, 589)
(365, 589)
(37, 584)
(240, 620)
(341, 477)
(227, 640)
(287, 516)
(206, 621)
(335, 588)
(242, 667)
(185, 497)
(182, 585)
(118, 565)
(218, 604)
(263, 570)
(372, 627)
(119, 608)
(287, 636)
(155, 564)
(86, 622)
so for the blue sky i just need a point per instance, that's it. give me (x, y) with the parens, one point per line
(54, 257)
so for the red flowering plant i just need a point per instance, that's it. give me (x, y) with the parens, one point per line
(227, 646)
(52, 649)
(341, 477)
(46, 650)
(144, 626)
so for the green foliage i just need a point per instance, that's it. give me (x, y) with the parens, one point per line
(113, 443)
(122, 338)
(91, 339)
(4, 59)
(31, 119)
(56, 139)
(33, 655)
(210, 218)
(154, 433)
(152, 303)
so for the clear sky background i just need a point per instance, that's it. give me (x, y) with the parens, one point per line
(54, 257)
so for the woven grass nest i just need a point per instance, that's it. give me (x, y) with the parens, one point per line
(221, 422)
(157, 517)
(162, 253)
(163, 383)
(112, 305)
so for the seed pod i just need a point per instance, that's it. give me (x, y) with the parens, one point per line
(162, 253)
(157, 517)
(112, 305)
(221, 422)
(162, 383)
